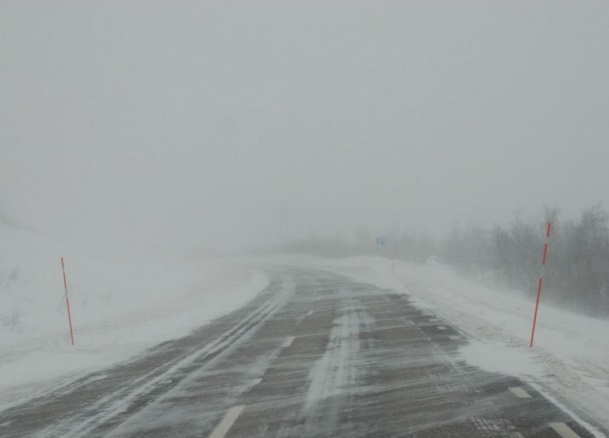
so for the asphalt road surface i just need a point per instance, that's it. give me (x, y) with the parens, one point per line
(314, 355)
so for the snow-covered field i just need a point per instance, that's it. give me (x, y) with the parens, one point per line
(123, 305)
(569, 362)
(120, 307)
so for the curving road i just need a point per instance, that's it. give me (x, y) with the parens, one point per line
(314, 355)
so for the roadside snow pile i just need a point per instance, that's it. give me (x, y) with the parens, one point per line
(570, 358)
(119, 307)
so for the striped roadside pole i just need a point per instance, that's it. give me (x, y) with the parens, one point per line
(540, 284)
(65, 286)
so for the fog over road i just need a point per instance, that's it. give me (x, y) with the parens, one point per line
(315, 354)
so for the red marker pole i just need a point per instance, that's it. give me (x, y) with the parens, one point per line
(65, 286)
(540, 284)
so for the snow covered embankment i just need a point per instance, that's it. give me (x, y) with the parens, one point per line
(570, 359)
(119, 308)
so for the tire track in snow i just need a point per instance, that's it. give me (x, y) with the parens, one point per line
(334, 372)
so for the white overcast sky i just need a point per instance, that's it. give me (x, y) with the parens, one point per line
(196, 123)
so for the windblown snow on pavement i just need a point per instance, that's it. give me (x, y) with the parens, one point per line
(570, 358)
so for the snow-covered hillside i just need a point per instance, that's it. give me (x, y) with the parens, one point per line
(120, 306)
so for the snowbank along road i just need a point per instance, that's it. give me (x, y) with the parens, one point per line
(314, 354)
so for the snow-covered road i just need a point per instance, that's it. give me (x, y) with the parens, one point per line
(315, 354)
(570, 359)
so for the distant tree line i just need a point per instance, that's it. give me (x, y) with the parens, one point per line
(577, 270)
